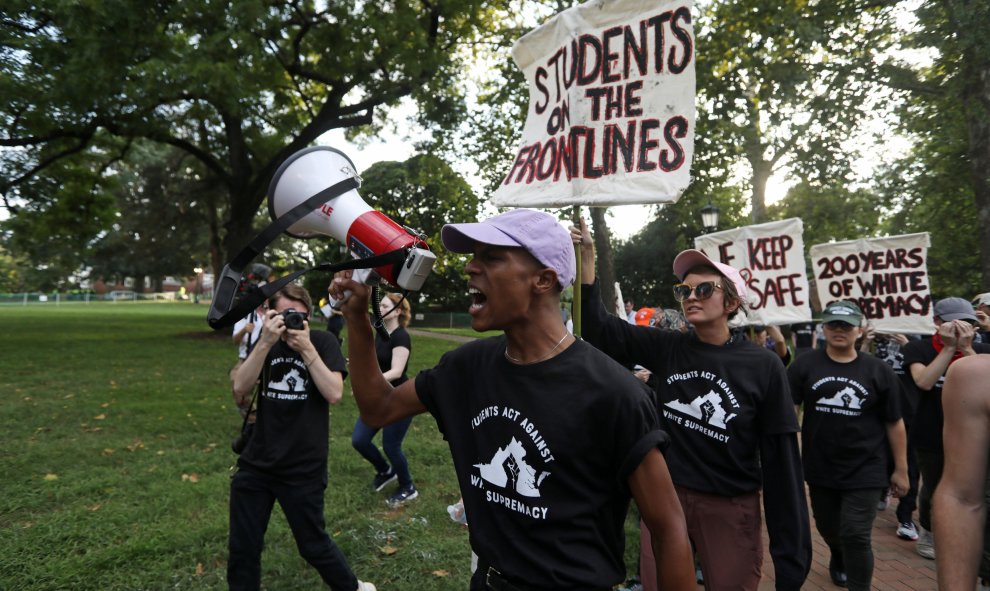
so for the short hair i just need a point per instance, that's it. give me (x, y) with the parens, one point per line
(405, 310)
(294, 292)
(728, 287)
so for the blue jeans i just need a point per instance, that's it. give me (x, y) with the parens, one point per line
(845, 520)
(252, 496)
(392, 436)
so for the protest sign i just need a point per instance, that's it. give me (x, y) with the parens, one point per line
(770, 258)
(611, 106)
(886, 277)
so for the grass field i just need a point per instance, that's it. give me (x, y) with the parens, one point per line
(115, 456)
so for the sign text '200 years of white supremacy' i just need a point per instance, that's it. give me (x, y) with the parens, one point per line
(610, 67)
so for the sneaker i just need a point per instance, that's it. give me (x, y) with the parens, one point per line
(383, 478)
(365, 586)
(907, 531)
(925, 545)
(884, 501)
(402, 496)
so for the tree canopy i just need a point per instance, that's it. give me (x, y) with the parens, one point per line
(238, 86)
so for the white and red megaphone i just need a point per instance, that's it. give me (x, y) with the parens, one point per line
(365, 231)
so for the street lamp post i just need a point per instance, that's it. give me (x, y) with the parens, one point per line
(199, 284)
(709, 217)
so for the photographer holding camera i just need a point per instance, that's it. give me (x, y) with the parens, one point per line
(285, 459)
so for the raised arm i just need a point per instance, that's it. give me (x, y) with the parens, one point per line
(379, 403)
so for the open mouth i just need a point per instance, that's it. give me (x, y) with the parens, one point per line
(478, 299)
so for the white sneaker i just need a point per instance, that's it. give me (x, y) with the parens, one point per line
(363, 586)
(925, 545)
(907, 531)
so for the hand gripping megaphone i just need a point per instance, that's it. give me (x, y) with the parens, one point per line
(314, 192)
(365, 232)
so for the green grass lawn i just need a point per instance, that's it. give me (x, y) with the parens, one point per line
(117, 421)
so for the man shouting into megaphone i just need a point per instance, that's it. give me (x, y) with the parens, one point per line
(549, 437)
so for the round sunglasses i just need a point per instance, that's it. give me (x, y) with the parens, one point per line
(702, 291)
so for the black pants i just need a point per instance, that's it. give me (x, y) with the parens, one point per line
(844, 518)
(909, 502)
(252, 497)
(930, 463)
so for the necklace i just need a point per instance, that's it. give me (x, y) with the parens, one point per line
(545, 357)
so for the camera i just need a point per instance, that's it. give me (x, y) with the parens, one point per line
(294, 319)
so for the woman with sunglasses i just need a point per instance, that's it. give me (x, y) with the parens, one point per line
(726, 405)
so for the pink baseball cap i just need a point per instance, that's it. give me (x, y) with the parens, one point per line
(539, 233)
(688, 259)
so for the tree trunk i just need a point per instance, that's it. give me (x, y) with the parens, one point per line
(603, 246)
(976, 106)
(761, 175)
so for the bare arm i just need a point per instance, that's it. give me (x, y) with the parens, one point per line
(400, 355)
(330, 383)
(958, 502)
(653, 490)
(247, 374)
(779, 345)
(582, 236)
(897, 438)
(379, 403)
(926, 376)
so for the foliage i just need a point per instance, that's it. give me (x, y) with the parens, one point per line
(56, 230)
(830, 213)
(643, 263)
(238, 86)
(785, 84)
(424, 193)
(160, 228)
(943, 184)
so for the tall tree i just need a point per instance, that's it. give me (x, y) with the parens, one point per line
(160, 229)
(830, 213)
(948, 116)
(237, 85)
(784, 83)
(424, 193)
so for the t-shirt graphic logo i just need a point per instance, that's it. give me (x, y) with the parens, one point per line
(290, 382)
(844, 398)
(509, 469)
(707, 408)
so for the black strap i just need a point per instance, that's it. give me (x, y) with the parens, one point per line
(256, 295)
(223, 310)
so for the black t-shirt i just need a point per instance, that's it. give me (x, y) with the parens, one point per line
(383, 350)
(892, 354)
(716, 401)
(846, 410)
(927, 432)
(293, 427)
(543, 453)
(804, 335)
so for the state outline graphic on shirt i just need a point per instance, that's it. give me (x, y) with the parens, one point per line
(707, 407)
(509, 469)
(844, 398)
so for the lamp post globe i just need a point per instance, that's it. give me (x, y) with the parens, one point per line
(709, 217)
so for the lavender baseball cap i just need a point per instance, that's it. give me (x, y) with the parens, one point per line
(688, 259)
(539, 233)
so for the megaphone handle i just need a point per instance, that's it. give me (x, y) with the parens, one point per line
(364, 276)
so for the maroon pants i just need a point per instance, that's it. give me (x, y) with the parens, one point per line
(727, 534)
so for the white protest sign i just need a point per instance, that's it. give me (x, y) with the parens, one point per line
(770, 258)
(886, 277)
(611, 106)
